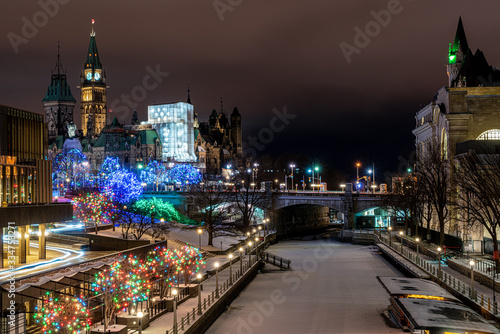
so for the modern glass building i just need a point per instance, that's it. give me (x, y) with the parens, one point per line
(174, 124)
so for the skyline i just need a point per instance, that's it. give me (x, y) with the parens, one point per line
(260, 59)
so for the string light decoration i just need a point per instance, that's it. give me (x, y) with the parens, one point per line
(131, 280)
(154, 173)
(122, 186)
(59, 314)
(72, 164)
(108, 167)
(93, 208)
(184, 174)
(160, 209)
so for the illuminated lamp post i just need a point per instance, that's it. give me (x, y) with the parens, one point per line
(401, 235)
(439, 262)
(292, 166)
(417, 240)
(250, 253)
(200, 232)
(357, 170)
(139, 316)
(199, 276)
(217, 280)
(472, 278)
(390, 236)
(174, 293)
(319, 178)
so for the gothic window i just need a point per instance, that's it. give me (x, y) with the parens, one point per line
(493, 134)
(436, 114)
(444, 144)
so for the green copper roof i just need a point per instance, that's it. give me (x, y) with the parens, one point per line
(58, 89)
(148, 137)
(93, 55)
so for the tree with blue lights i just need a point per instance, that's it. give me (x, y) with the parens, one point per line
(155, 172)
(122, 186)
(71, 165)
(184, 174)
(108, 167)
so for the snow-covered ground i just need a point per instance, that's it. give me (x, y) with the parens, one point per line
(186, 234)
(332, 288)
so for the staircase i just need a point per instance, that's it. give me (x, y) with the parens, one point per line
(275, 260)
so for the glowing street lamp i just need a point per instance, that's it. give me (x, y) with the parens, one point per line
(439, 261)
(472, 278)
(342, 186)
(292, 166)
(250, 253)
(241, 260)
(174, 293)
(417, 240)
(401, 235)
(217, 280)
(199, 276)
(357, 170)
(200, 232)
(259, 228)
(139, 316)
(390, 235)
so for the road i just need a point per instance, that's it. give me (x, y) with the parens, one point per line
(332, 289)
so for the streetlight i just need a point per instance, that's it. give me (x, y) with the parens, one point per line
(418, 242)
(199, 276)
(241, 260)
(200, 231)
(439, 263)
(139, 316)
(401, 235)
(230, 269)
(357, 170)
(319, 178)
(342, 186)
(292, 166)
(390, 235)
(217, 280)
(472, 278)
(259, 228)
(250, 253)
(174, 293)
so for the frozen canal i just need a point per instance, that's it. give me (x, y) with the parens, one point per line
(332, 289)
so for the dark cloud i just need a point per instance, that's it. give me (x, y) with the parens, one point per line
(264, 55)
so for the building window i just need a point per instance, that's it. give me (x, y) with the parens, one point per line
(444, 144)
(490, 135)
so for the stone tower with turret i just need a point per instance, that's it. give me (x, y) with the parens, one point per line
(93, 90)
(58, 103)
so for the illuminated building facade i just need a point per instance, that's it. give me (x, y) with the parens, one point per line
(174, 123)
(26, 180)
(93, 92)
(462, 114)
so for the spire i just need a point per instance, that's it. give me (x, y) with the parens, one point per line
(221, 106)
(189, 95)
(58, 89)
(58, 68)
(93, 60)
(460, 39)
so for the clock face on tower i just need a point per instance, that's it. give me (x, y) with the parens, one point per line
(89, 76)
(97, 76)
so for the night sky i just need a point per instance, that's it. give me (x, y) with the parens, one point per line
(263, 55)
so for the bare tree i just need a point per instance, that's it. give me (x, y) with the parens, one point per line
(209, 207)
(477, 177)
(248, 196)
(434, 175)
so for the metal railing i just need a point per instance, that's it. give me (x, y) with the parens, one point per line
(276, 260)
